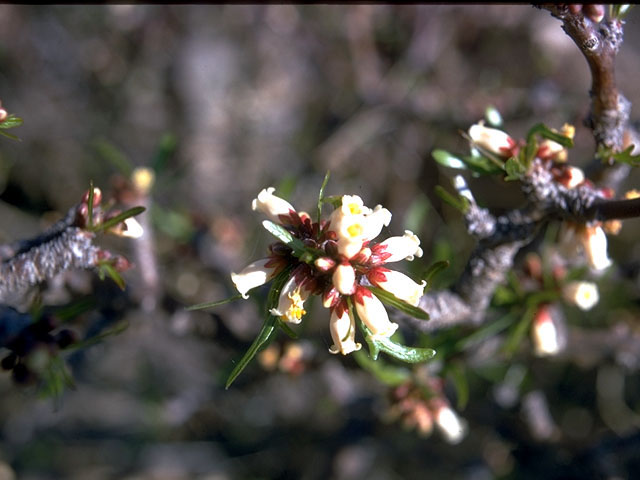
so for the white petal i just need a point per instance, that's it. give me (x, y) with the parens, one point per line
(271, 205)
(373, 314)
(343, 331)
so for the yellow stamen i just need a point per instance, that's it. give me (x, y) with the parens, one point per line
(355, 230)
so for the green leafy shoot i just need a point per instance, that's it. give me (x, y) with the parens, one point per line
(515, 169)
(10, 122)
(619, 11)
(393, 301)
(112, 222)
(456, 201)
(627, 157)
(531, 148)
(304, 253)
(116, 330)
(434, 270)
(268, 327)
(390, 375)
(321, 194)
(476, 163)
(217, 303)
(106, 268)
(55, 379)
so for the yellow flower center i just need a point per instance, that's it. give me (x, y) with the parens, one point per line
(295, 310)
(355, 230)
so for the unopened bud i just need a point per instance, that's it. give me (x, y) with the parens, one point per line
(324, 264)
(595, 12)
(97, 196)
(3, 115)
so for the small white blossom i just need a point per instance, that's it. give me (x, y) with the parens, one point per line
(375, 221)
(344, 278)
(291, 302)
(545, 335)
(582, 294)
(343, 332)
(450, 424)
(395, 249)
(594, 242)
(491, 139)
(253, 276)
(271, 205)
(373, 314)
(398, 284)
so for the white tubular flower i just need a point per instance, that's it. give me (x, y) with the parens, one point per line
(544, 332)
(395, 249)
(132, 229)
(271, 205)
(344, 278)
(491, 139)
(291, 303)
(397, 283)
(373, 314)
(450, 424)
(350, 230)
(582, 294)
(252, 276)
(379, 218)
(343, 332)
(594, 242)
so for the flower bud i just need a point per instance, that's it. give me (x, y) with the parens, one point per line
(344, 278)
(491, 140)
(271, 205)
(582, 294)
(256, 274)
(343, 332)
(372, 312)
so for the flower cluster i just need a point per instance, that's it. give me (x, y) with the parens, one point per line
(337, 261)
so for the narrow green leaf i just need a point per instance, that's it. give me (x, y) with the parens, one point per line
(458, 376)
(403, 353)
(483, 165)
(457, 202)
(217, 303)
(287, 330)
(546, 132)
(132, 212)
(515, 170)
(108, 269)
(10, 122)
(385, 373)
(521, 329)
(393, 301)
(9, 135)
(448, 160)
(268, 327)
(263, 337)
(486, 331)
(435, 269)
(626, 157)
(321, 194)
(285, 237)
(334, 200)
(110, 153)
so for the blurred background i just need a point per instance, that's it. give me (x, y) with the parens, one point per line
(222, 101)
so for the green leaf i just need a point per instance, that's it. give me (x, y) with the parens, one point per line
(287, 330)
(285, 237)
(457, 374)
(515, 170)
(217, 303)
(334, 200)
(132, 212)
(401, 352)
(268, 327)
(11, 122)
(321, 195)
(435, 269)
(546, 132)
(521, 329)
(486, 331)
(388, 374)
(106, 268)
(626, 157)
(9, 135)
(393, 301)
(618, 12)
(448, 160)
(457, 202)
